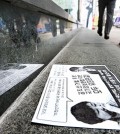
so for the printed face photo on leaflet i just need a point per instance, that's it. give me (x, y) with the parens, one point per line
(79, 69)
(93, 113)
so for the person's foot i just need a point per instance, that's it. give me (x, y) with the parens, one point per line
(106, 36)
(99, 32)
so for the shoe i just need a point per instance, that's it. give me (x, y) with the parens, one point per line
(99, 32)
(106, 36)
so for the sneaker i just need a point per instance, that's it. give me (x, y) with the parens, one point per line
(106, 36)
(99, 32)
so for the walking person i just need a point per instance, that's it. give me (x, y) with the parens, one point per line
(109, 5)
(90, 9)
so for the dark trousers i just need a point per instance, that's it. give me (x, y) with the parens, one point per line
(109, 5)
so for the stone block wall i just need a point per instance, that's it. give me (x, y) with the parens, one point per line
(26, 24)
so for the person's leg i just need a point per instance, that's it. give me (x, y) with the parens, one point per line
(109, 20)
(89, 12)
(101, 4)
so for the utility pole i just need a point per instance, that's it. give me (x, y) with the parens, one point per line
(78, 13)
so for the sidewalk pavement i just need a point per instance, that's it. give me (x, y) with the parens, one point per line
(86, 48)
(114, 35)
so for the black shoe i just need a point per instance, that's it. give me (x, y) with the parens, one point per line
(99, 32)
(106, 36)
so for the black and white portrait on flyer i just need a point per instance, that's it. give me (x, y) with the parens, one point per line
(80, 96)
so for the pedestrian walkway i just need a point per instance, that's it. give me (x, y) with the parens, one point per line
(86, 48)
(114, 35)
